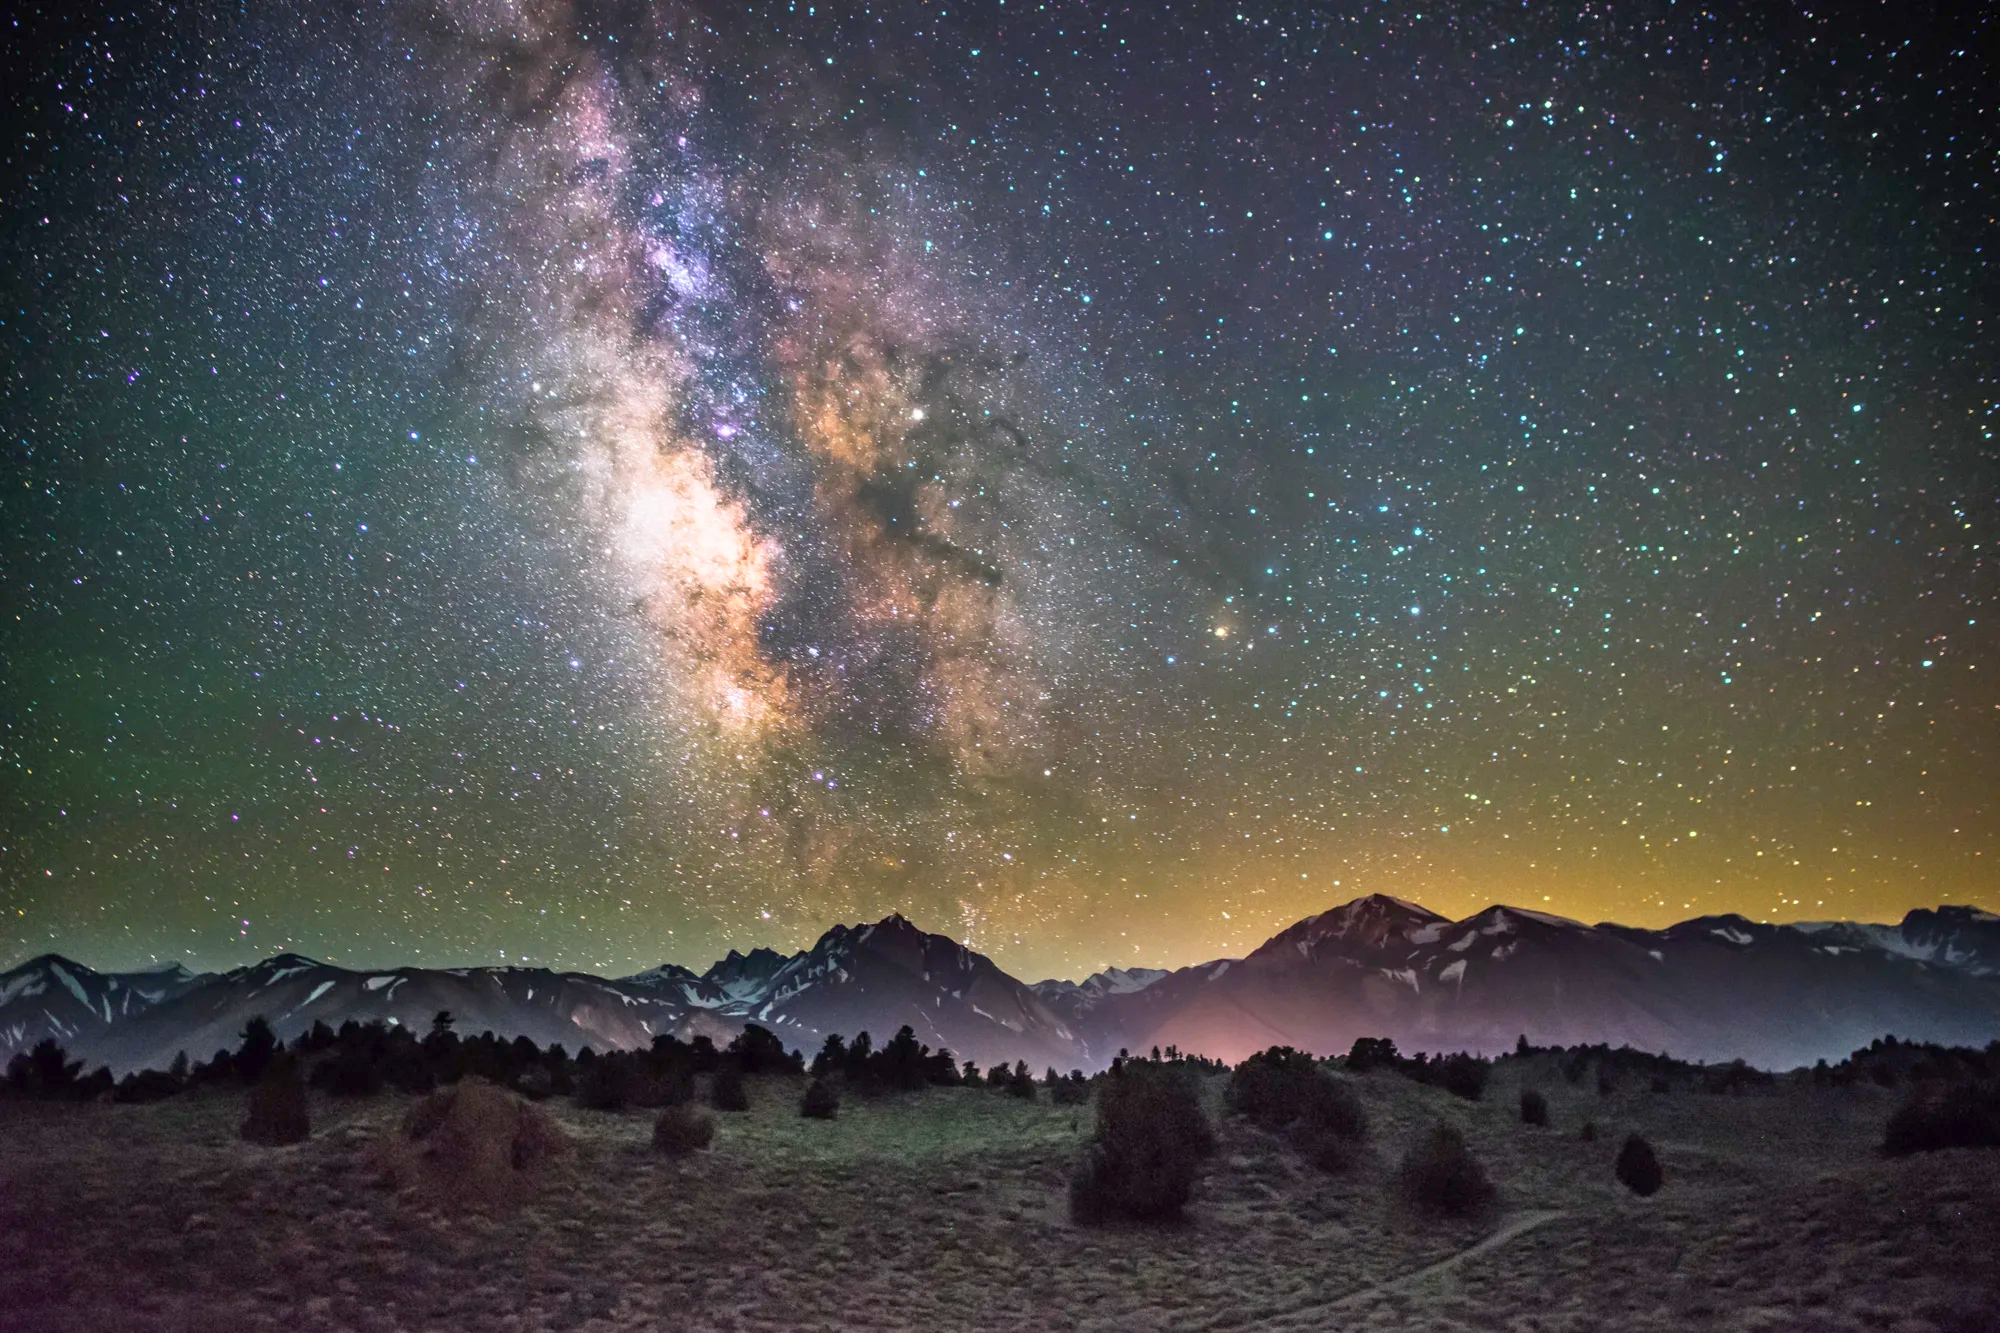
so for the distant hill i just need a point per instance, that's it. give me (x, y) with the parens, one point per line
(1715, 988)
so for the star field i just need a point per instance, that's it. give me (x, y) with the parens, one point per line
(603, 483)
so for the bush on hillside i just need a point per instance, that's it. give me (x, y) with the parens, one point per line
(1965, 1116)
(1021, 1083)
(821, 1102)
(45, 1072)
(727, 1093)
(260, 1047)
(605, 1084)
(275, 1111)
(1071, 1091)
(653, 1088)
(681, 1129)
(1534, 1107)
(1638, 1169)
(1286, 1091)
(1150, 1140)
(1372, 1053)
(1463, 1075)
(1269, 1087)
(148, 1085)
(1439, 1174)
(756, 1050)
(470, 1145)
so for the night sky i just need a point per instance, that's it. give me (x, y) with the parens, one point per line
(601, 483)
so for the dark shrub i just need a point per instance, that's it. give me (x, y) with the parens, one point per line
(1150, 1140)
(1021, 1083)
(1325, 1107)
(275, 1111)
(1588, 1131)
(1534, 1107)
(652, 1088)
(1734, 1077)
(1284, 1090)
(1966, 1116)
(46, 1071)
(1439, 1174)
(1660, 1083)
(726, 1091)
(821, 1102)
(1463, 1076)
(1606, 1085)
(1270, 1087)
(832, 1056)
(681, 1129)
(758, 1051)
(1638, 1169)
(535, 1083)
(148, 1085)
(1071, 1091)
(900, 1064)
(260, 1044)
(605, 1084)
(1372, 1053)
(350, 1073)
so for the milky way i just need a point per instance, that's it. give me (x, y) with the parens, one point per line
(602, 483)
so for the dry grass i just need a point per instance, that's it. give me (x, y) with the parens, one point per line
(946, 1209)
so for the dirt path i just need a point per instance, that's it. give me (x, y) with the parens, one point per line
(1430, 1276)
(1515, 1227)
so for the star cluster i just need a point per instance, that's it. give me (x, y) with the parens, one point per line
(595, 483)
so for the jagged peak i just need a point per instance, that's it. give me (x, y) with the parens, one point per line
(44, 960)
(1527, 913)
(1956, 913)
(278, 962)
(1374, 918)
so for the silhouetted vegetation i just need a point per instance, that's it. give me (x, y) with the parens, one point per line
(148, 1085)
(1372, 1053)
(1534, 1107)
(726, 1091)
(1734, 1077)
(1285, 1091)
(1887, 1062)
(756, 1050)
(1151, 1138)
(604, 1082)
(1966, 1115)
(260, 1045)
(821, 1101)
(903, 1065)
(1021, 1083)
(1439, 1174)
(45, 1073)
(275, 1111)
(1462, 1075)
(1638, 1168)
(681, 1129)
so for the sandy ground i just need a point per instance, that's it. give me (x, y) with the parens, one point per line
(946, 1210)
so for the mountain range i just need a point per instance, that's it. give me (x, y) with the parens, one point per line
(1714, 988)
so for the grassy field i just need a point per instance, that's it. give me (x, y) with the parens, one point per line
(946, 1210)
